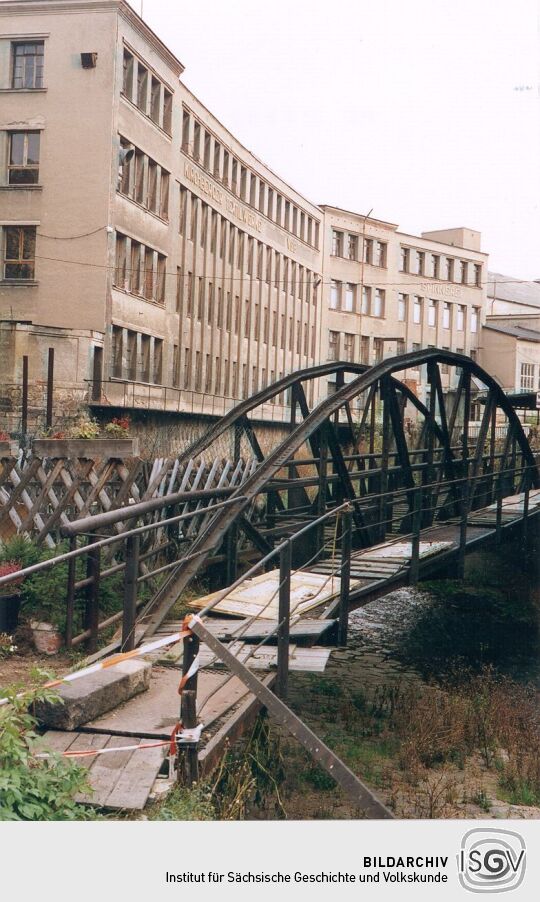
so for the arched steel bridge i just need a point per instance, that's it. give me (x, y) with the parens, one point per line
(355, 446)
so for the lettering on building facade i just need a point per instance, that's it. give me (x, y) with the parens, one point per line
(445, 291)
(233, 208)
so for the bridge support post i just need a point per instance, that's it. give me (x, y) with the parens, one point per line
(130, 593)
(187, 760)
(284, 612)
(345, 577)
(498, 518)
(70, 594)
(415, 543)
(91, 616)
(463, 528)
(525, 524)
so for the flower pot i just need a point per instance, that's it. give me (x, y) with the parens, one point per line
(10, 603)
(47, 638)
(89, 448)
(9, 449)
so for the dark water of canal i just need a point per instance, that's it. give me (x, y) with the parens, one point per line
(438, 630)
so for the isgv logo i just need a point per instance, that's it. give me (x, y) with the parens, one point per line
(491, 861)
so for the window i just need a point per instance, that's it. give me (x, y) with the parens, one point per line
(167, 111)
(432, 313)
(461, 318)
(142, 87)
(196, 140)
(23, 167)
(364, 349)
(368, 250)
(116, 353)
(145, 358)
(527, 376)
(474, 319)
(120, 268)
(444, 366)
(217, 160)
(333, 345)
(378, 303)
(139, 176)
(127, 81)
(378, 350)
(435, 265)
(164, 195)
(404, 260)
(334, 294)
(19, 252)
(148, 274)
(449, 269)
(337, 243)
(420, 261)
(478, 275)
(402, 308)
(348, 347)
(417, 310)
(207, 143)
(349, 298)
(131, 355)
(446, 316)
(155, 98)
(400, 346)
(151, 191)
(464, 271)
(186, 119)
(27, 65)
(158, 361)
(366, 299)
(135, 273)
(352, 247)
(380, 253)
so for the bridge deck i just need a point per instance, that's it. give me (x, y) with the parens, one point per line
(124, 780)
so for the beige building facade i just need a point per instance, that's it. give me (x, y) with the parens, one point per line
(511, 338)
(166, 266)
(140, 239)
(388, 293)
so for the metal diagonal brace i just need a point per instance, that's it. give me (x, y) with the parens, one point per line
(349, 782)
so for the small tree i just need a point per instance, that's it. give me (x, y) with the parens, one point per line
(32, 788)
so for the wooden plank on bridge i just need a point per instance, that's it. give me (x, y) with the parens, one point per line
(258, 597)
(118, 779)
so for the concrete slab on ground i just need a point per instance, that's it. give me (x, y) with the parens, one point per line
(92, 696)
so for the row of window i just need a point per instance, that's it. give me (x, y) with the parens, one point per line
(343, 296)
(201, 224)
(236, 379)
(343, 346)
(139, 269)
(527, 380)
(147, 91)
(136, 356)
(419, 263)
(213, 304)
(418, 305)
(346, 244)
(206, 150)
(145, 181)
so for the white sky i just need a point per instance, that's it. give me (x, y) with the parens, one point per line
(408, 107)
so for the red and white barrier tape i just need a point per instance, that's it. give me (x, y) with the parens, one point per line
(181, 737)
(114, 659)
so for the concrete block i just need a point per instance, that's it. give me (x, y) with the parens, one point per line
(95, 694)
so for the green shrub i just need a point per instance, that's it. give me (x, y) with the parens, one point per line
(34, 789)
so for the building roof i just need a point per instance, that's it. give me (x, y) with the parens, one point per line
(517, 291)
(524, 333)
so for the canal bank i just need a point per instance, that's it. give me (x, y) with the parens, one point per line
(434, 702)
